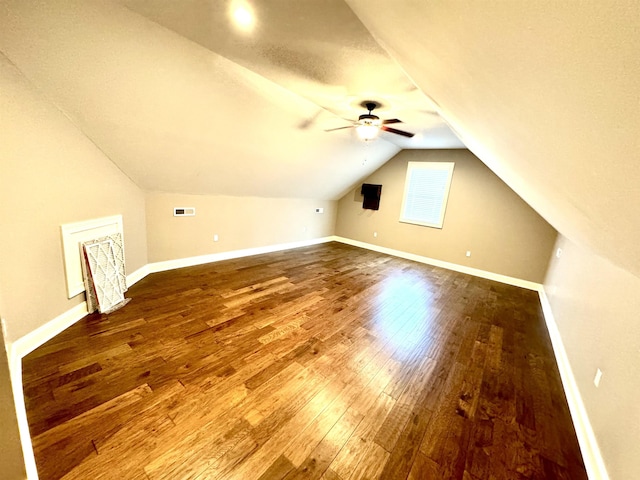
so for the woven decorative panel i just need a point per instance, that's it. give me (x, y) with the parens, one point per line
(103, 279)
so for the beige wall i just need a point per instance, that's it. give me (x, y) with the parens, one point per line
(50, 174)
(483, 215)
(595, 305)
(240, 222)
(53, 174)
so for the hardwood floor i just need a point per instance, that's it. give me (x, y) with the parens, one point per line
(327, 362)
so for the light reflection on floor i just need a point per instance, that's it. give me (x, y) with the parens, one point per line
(403, 314)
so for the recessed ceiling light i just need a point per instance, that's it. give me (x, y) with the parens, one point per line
(242, 15)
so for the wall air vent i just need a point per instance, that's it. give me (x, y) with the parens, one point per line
(184, 211)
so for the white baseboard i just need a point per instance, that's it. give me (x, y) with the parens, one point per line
(591, 454)
(41, 335)
(15, 369)
(17, 351)
(26, 344)
(138, 275)
(217, 257)
(32, 340)
(440, 263)
(15, 372)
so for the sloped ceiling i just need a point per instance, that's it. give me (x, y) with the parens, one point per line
(182, 101)
(546, 93)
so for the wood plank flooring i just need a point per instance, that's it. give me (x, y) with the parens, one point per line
(326, 362)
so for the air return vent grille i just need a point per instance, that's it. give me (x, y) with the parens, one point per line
(184, 211)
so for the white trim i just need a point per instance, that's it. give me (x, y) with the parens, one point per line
(15, 369)
(28, 343)
(32, 340)
(591, 454)
(15, 372)
(41, 335)
(38, 337)
(590, 451)
(217, 257)
(73, 234)
(138, 275)
(517, 282)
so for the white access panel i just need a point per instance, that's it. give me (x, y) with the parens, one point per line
(73, 234)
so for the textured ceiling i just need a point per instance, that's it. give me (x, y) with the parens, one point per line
(182, 101)
(545, 93)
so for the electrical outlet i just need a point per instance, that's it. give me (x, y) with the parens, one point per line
(215, 238)
(375, 234)
(558, 253)
(598, 377)
(468, 253)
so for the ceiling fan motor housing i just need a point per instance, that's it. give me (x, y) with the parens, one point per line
(370, 105)
(368, 119)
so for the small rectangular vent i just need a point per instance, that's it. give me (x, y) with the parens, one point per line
(184, 211)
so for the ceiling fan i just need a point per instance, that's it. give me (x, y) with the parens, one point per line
(369, 125)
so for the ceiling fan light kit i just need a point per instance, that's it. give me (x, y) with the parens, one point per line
(368, 125)
(367, 130)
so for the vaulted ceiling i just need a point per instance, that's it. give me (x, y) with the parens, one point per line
(184, 101)
(546, 93)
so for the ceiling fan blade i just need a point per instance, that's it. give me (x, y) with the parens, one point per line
(306, 123)
(339, 128)
(391, 120)
(399, 132)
